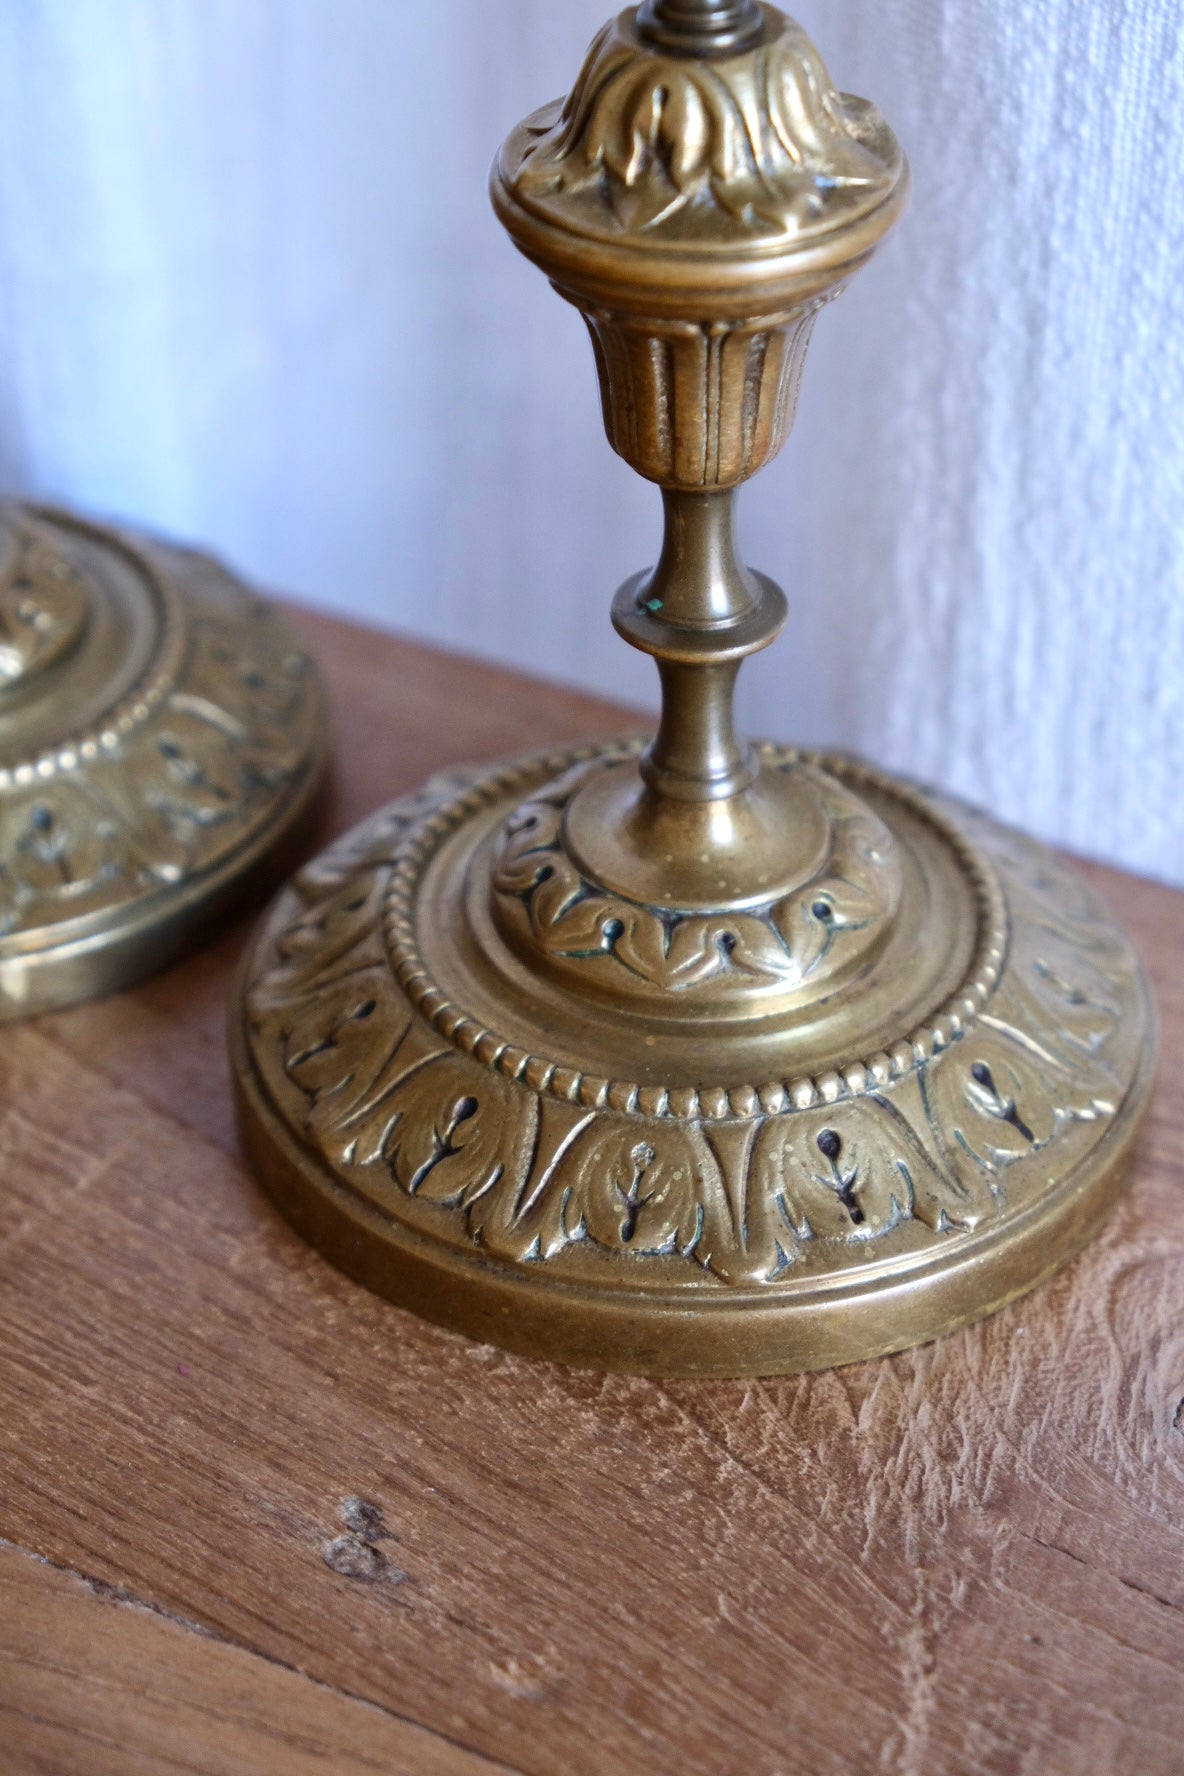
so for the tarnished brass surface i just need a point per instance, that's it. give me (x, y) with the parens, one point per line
(160, 734)
(692, 1056)
(512, 1157)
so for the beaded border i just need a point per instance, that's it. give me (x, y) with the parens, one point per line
(685, 1103)
(155, 684)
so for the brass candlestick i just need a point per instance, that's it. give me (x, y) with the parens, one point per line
(693, 1057)
(161, 734)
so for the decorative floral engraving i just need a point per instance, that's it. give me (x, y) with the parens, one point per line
(732, 163)
(767, 186)
(753, 146)
(792, 939)
(435, 1133)
(188, 770)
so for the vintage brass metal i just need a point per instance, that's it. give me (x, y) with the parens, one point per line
(160, 735)
(693, 1057)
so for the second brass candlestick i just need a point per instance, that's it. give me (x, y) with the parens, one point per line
(693, 1057)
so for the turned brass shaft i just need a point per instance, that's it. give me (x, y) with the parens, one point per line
(700, 27)
(699, 261)
(700, 612)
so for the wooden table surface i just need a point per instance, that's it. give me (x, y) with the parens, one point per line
(254, 1519)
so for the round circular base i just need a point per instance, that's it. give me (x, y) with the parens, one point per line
(161, 736)
(709, 1193)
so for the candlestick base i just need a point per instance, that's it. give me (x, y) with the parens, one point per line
(720, 1141)
(161, 735)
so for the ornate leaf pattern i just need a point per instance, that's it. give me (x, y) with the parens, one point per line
(762, 143)
(784, 941)
(174, 791)
(426, 1130)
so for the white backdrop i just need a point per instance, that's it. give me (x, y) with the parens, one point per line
(251, 293)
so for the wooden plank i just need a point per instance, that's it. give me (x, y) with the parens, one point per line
(965, 1559)
(93, 1680)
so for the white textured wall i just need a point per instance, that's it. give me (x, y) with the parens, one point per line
(250, 292)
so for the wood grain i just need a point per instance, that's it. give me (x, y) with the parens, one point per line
(93, 1680)
(965, 1559)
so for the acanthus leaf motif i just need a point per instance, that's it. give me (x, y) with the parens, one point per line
(786, 940)
(999, 1099)
(183, 765)
(855, 1170)
(760, 146)
(484, 1159)
(455, 1137)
